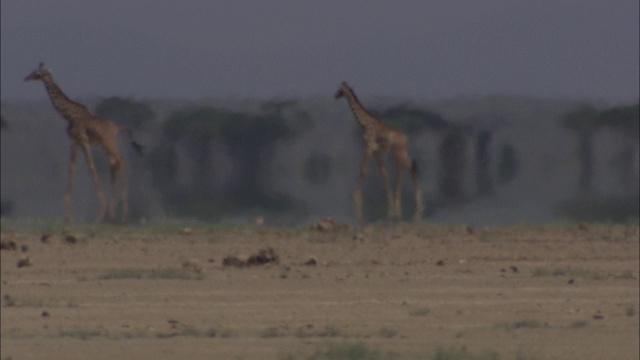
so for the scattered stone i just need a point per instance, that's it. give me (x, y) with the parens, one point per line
(598, 315)
(233, 261)
(24, 262)
(570, 282)
(186, 231)
(264, 256)
(583, 226)
(329, 224)
(440, 263)
(192, 265)
(211, 260)
(8, 301)
(70, 239)
(513, 268)
(45, 238)
(311, 262)
(24, 248)
(470, 230)
(8, 245)
(45, 314)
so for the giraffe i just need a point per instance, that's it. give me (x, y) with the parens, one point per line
(86, 130)
(380, 138)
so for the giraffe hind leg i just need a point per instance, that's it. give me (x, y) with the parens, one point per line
(68, 196)
(391, 212)
(357, 195)
(118, 189)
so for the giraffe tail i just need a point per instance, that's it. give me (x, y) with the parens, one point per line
(139, 148)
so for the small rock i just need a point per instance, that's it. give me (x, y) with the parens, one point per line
(8, 245)
(440, 263)
(24, 262)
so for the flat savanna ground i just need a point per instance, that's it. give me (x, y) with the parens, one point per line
(401, 291)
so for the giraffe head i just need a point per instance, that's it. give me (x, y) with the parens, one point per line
(343, 89)
(39, 73)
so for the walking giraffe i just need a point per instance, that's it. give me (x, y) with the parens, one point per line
(85, 130)
(380, 138)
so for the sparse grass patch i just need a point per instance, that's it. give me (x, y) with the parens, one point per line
(350, 352)
(424, 311)
(521, 324)
(581, 273)
(625, 275)
(83, 334)
(579, 324)
(630, 310)
(163, 274)
(387, 333)
(309, 331)
(359, 351)
(462, 354)
(271, 332)
(568, 271)
(11, 301)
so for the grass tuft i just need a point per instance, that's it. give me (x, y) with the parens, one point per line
(162, 274)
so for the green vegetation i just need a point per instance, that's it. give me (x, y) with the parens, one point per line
(579, 324)
(630, 310)
(350, 352)
(164, 274)
(581, 273)
(521, 324)
(26, 301)
(360, 351)
(423, 311)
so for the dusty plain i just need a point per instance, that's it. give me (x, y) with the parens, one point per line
(398, 291)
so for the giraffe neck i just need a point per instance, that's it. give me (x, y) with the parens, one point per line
(361, 114)
(69, 109)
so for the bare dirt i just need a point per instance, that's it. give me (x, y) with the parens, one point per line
(526, 292)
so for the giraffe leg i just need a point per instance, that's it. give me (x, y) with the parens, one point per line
(391, 213)
(416, 184)
(96, 181)
(357, 195)
(118, 188)
(113, 200)
(72, 172)
(122, 186)
(398, 197)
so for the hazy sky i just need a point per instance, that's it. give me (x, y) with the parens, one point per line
(584, 49)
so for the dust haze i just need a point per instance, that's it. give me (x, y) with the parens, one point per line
(508, 73)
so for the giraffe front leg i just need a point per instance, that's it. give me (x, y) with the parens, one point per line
(398, 196)
(96, 181)
(118, 188)
(391, 211)
(416, 184)
(357, 195)
(68, 202)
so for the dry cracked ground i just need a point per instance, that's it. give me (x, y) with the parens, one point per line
(387, 292)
